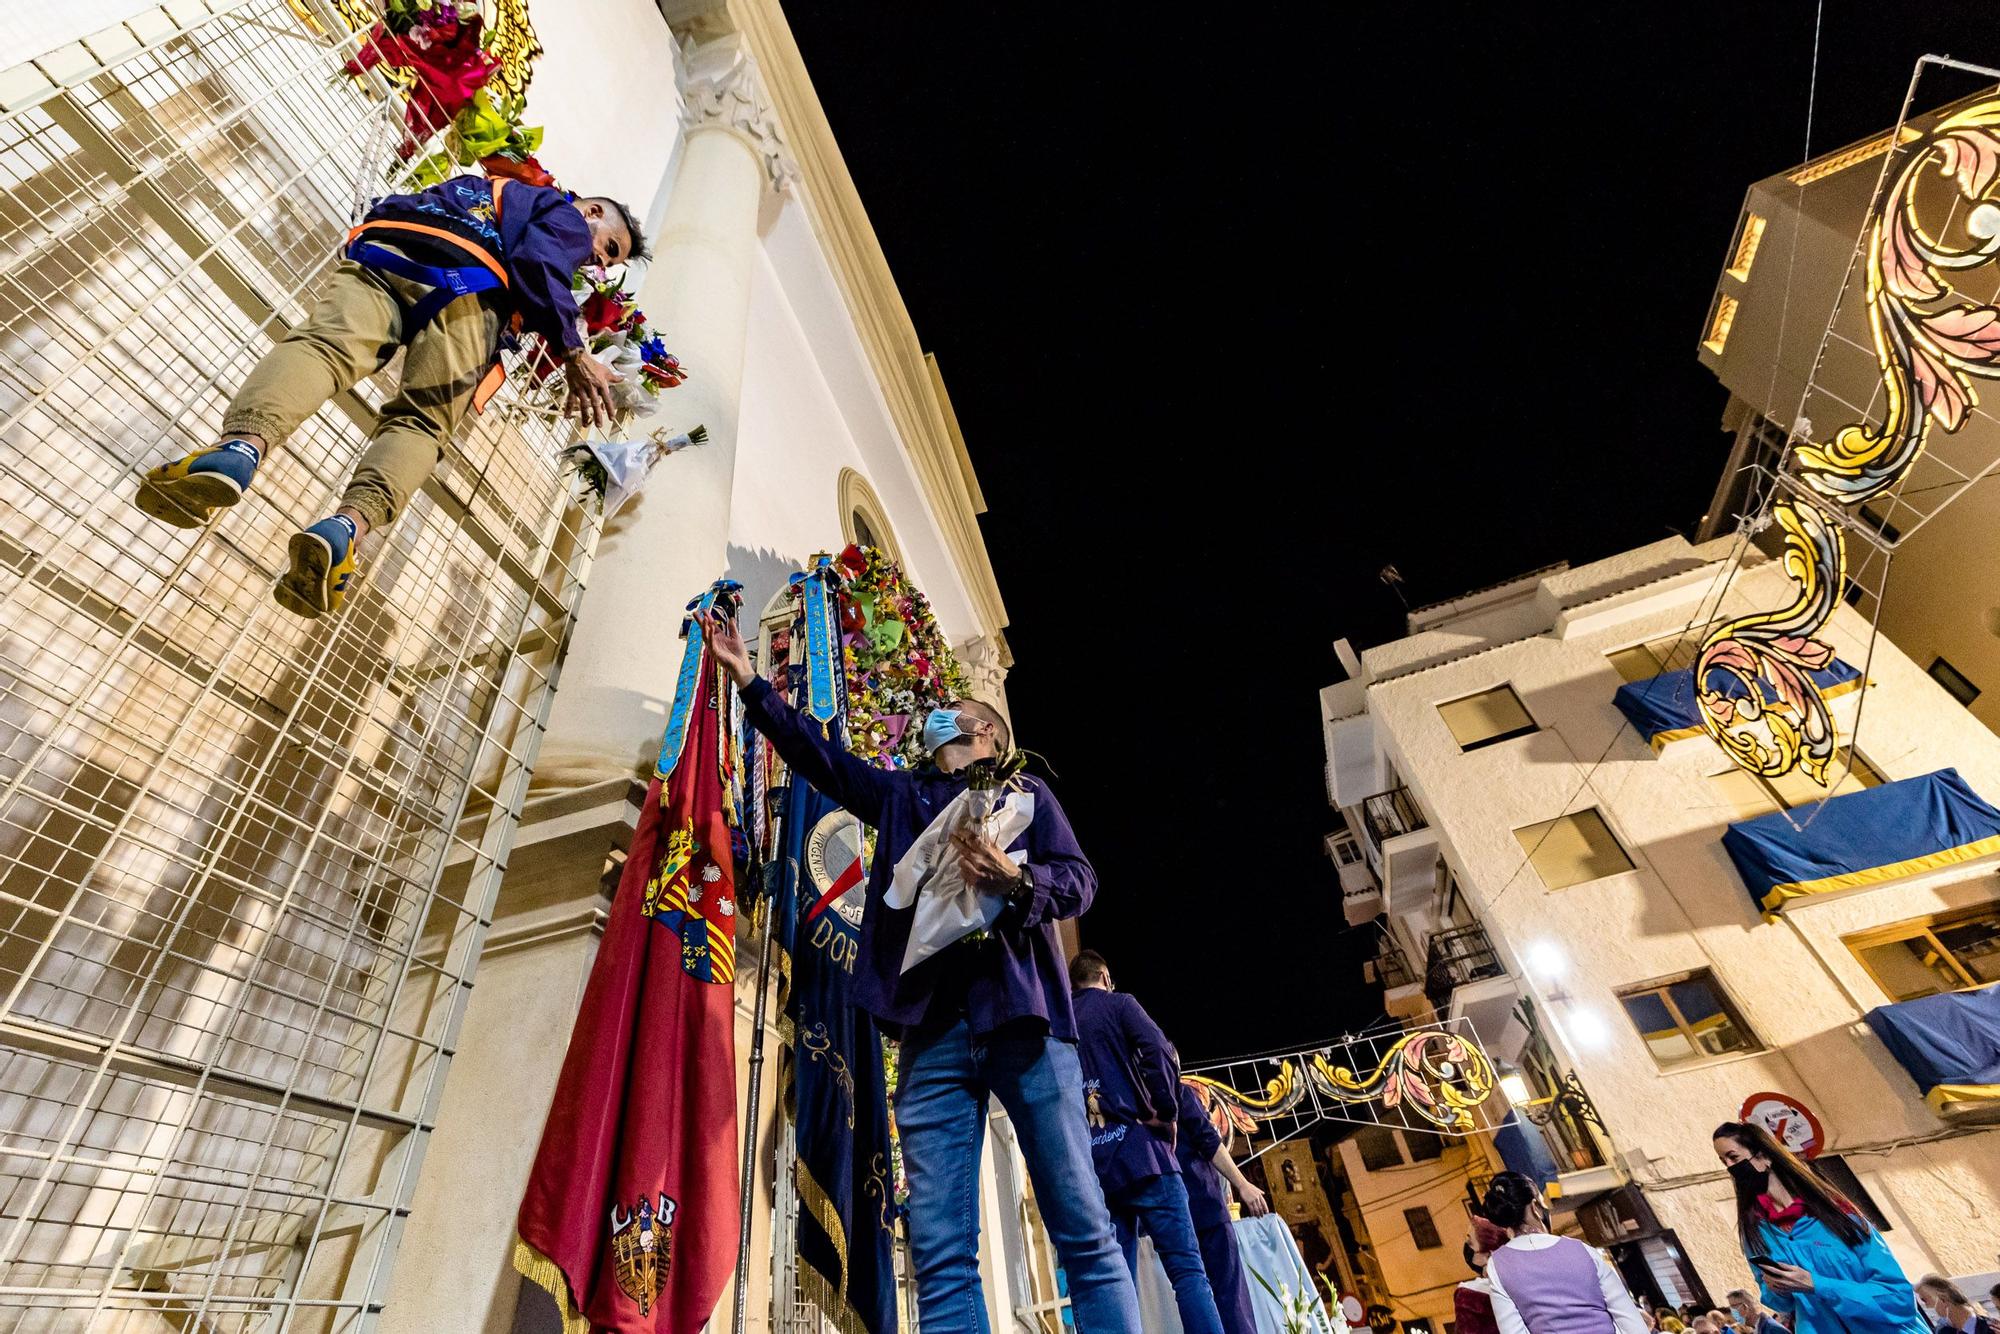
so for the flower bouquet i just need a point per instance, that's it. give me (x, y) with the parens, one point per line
(617, 334)
(616, 469)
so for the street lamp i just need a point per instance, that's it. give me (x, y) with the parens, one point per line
(1569, 1097)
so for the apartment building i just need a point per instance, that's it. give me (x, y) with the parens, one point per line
(1529, 804)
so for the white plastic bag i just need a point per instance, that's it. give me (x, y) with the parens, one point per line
(931, 876)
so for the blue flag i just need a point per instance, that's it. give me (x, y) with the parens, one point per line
(840, 1104)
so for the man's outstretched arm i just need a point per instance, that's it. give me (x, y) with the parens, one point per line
(827, 765)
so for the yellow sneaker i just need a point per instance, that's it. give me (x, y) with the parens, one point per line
(187, 492)
(322, 569)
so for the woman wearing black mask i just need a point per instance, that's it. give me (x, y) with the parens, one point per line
(1545, 1284)
(1814, 1255)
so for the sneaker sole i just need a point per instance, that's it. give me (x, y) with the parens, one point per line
(303, 589)
(187, 502)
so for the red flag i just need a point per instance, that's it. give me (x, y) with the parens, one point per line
(631, 1214)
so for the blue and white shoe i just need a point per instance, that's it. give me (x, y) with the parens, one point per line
(187, 492)
(322, 569)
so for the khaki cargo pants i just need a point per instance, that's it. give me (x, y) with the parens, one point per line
(351, 334)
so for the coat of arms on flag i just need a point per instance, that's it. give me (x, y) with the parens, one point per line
(630, 1218)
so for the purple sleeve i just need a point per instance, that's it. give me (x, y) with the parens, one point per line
(541, 265)
(854, 783)
(1197, 1131)
(1065, 882)
(1150, 1054)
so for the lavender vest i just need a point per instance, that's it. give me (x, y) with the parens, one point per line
(1555, 1288)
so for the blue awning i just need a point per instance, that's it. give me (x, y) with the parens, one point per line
(1663, 709)
(1864, 838)
(1523, 1150)
(1950, 1044)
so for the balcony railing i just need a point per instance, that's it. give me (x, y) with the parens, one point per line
(1391, 814)
(1393, 970)
(1456, 957)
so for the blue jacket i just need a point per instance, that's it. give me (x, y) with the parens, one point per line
(1129, 1084)
(1856, 1289)
(1018, 973)
(541, 240)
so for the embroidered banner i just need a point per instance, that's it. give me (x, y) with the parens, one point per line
(631, 1212)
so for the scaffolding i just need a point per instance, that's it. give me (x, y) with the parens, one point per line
(232, 964)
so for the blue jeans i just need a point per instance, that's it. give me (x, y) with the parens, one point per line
(945, 1081)
(1159, 1206)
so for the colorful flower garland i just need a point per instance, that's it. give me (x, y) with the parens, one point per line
(440, 49)
(897, 662)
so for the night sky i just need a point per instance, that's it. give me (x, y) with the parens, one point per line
(1237, 309)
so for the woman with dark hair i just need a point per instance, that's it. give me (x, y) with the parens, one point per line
(1546, 1284)
(1472, 1304)
(1815, 1257)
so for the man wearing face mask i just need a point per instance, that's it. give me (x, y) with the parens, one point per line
(983, 1018)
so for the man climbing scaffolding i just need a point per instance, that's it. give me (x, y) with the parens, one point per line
(442, 273)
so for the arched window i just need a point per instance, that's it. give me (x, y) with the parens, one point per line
(862, 520)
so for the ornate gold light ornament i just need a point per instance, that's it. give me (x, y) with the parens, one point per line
(1931, 341)
(1433, 1074)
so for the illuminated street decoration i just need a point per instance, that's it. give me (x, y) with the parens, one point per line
(1437, 1075)
(1757, 698)
(1434, 1074)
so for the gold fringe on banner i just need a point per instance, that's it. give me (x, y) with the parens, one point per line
(547, 1275)
(832, 1306)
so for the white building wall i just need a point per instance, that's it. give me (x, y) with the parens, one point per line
(1683, 906)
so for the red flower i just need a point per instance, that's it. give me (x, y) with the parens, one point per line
(853, 561)
(605, 310)
(449, 66)
(666, 374)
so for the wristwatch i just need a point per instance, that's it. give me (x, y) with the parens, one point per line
(1022, 892)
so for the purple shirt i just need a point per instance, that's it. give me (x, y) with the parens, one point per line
(1555, 1288)
(1018, 972)
(1128, 1083)
(541, 240)
(1194, 1150)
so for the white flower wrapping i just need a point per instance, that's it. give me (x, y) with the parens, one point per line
(627, 464)
(621, 355)
(931, 876)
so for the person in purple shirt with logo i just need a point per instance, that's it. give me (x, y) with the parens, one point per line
(1131, 1088)
(443, 275)
(1209, 1173)
(979, 1019)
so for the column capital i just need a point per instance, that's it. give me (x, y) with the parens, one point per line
(721, 88)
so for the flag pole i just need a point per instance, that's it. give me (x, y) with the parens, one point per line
(750, 1128)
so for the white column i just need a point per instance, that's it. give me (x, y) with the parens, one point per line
(670, 543)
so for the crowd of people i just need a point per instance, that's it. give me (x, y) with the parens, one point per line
(1821, 1267)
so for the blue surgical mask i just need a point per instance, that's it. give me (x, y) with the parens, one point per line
(941, 729)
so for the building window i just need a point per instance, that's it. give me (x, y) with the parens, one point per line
(1747, 241)
(1686, 1019)
(1718, 324)
(1571, 849)
(1344, 848)
(1657, 657)
(862, 519)
(1424, 1146)
(1934, 954)
(1423, 1228)
(1487, 718)
(1752, 795)
(1954, 681)
(1379, 1150)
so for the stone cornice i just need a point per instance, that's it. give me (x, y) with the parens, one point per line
(915, 395)
(720, 87)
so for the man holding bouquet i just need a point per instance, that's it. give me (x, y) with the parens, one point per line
(986, 1014)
